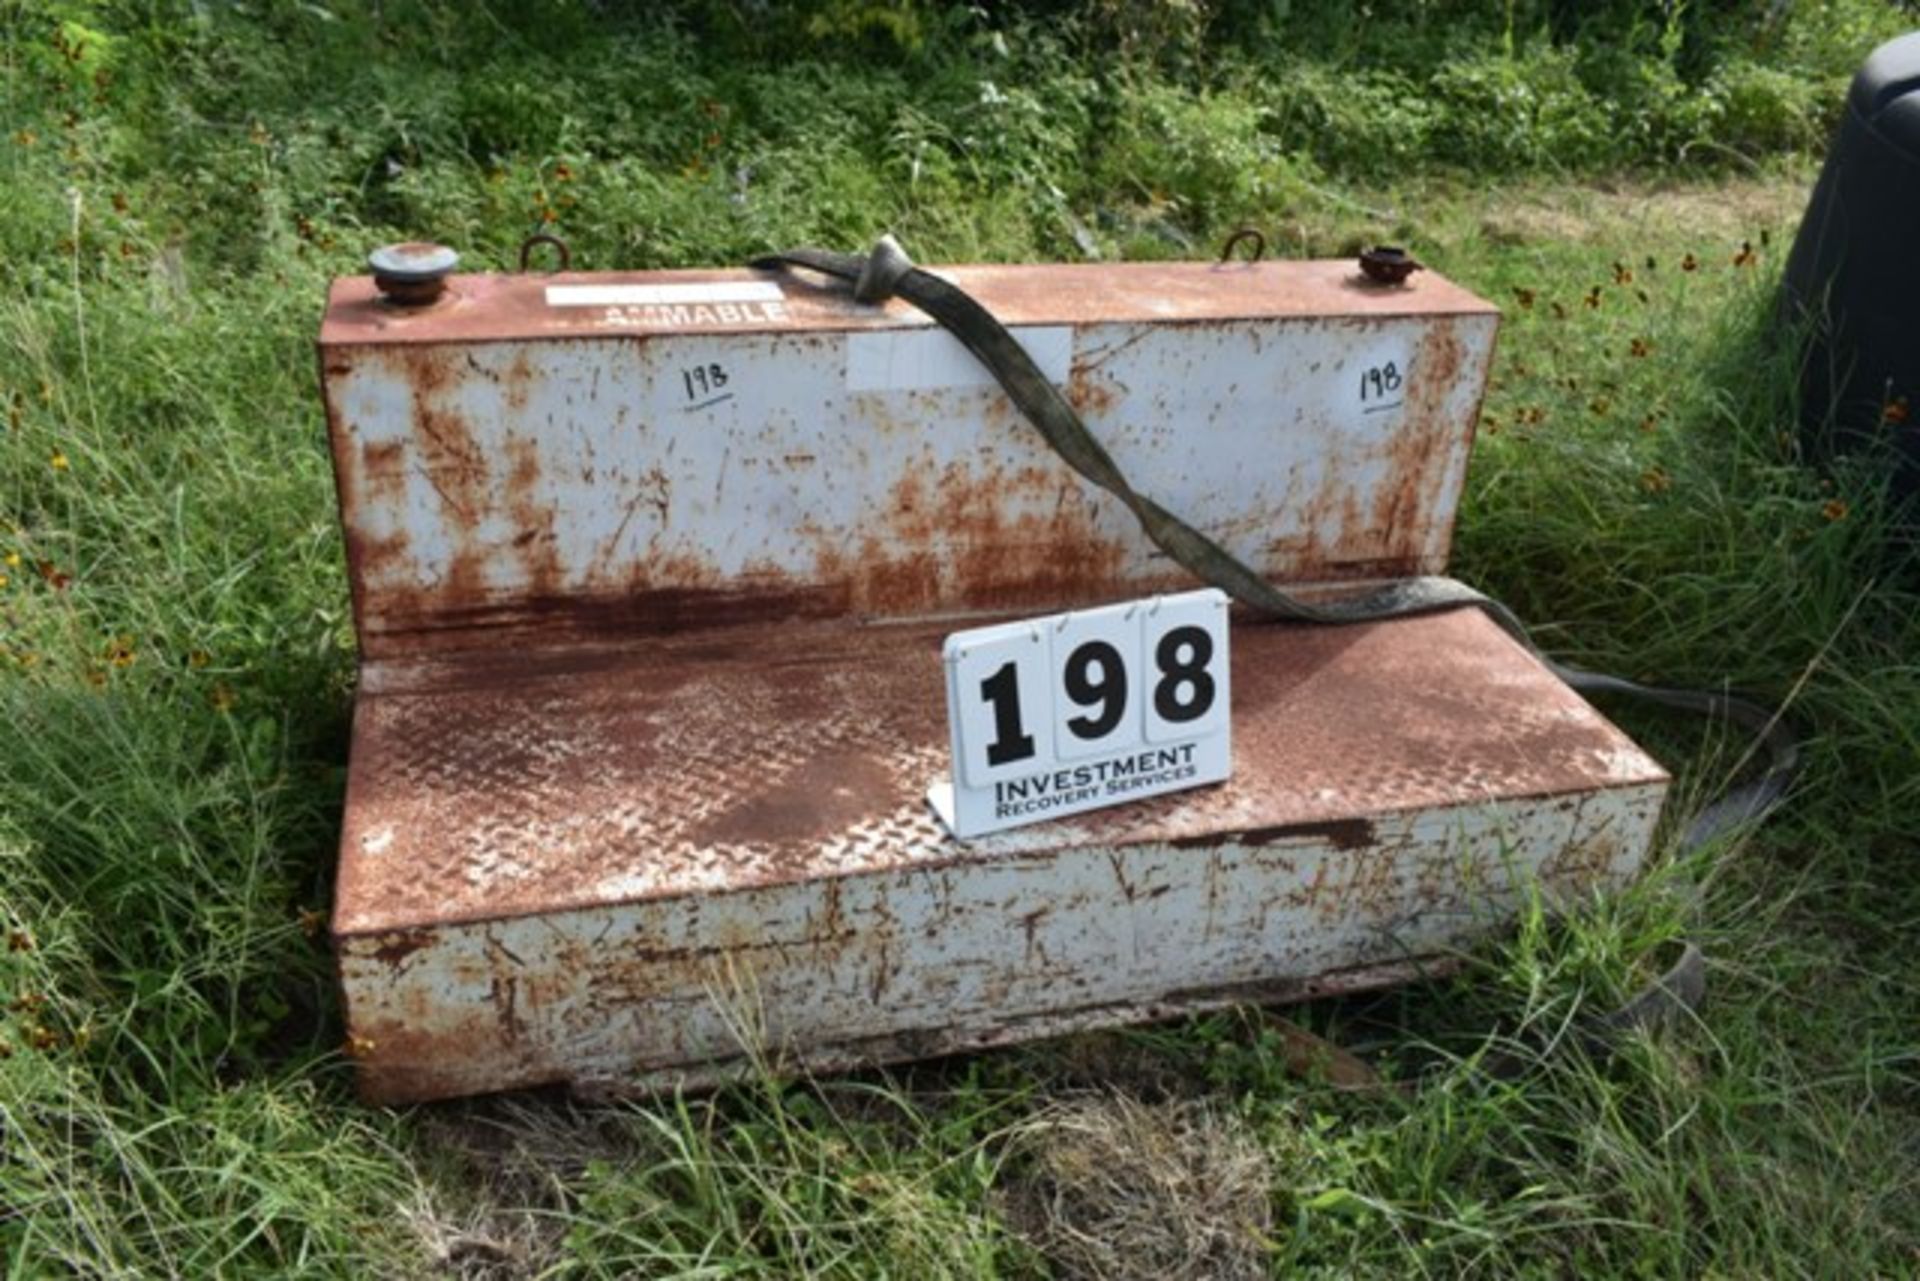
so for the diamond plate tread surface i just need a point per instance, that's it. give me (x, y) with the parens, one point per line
(702, 762)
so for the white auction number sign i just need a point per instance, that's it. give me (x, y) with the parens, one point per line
(1058, 715)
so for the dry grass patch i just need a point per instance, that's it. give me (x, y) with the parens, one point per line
(1111, 1187)
(1615, 213)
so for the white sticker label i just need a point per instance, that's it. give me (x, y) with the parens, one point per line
(926, 359)
(663, 295)
(1074, 712)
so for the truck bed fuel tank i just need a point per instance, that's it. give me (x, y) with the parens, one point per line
(651, 573)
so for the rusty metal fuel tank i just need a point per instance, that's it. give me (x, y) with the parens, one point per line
(650, 574)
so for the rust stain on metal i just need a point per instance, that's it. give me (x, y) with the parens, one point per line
(820, 797)
(1404, 505)
(1341, 834)
(997, 561)
(395, 948)
(1089, 392)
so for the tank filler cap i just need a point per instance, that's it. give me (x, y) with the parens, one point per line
(412, 274)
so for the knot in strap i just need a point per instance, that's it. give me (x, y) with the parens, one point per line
(886, 264)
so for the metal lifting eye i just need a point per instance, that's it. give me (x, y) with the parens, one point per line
(1245, 234)
(544, 238)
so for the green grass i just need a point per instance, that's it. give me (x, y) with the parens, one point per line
(177, 184)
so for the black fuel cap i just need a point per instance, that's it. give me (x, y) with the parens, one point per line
(413, 273)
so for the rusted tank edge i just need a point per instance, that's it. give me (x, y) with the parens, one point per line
(387, 341)
(483, 656)
(402, 1086)
(1652, 785)
(339, 442)
(489, 306)
(921, 1044)
(1471, 435)
(581, 618)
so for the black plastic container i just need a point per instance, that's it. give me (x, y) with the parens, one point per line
(1855, 272)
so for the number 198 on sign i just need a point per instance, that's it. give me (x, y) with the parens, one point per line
(1058, 715)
